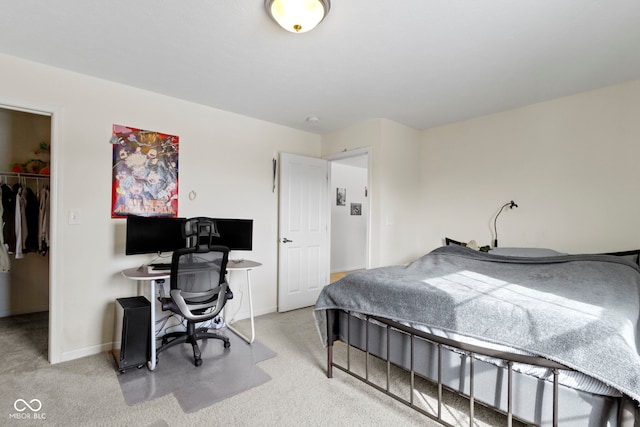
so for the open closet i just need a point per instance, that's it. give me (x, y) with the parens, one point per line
(24, 182)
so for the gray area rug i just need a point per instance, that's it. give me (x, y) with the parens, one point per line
(223, 373)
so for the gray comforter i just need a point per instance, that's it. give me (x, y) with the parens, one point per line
(580, 310)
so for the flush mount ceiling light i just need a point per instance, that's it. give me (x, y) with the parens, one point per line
(298, 16)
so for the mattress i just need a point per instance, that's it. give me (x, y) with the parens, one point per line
(574, 379)
(562, 308)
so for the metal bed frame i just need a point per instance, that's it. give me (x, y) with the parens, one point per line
(627, 414)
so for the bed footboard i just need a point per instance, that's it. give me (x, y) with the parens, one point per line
(427, 357)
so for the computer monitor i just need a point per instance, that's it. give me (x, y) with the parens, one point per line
(153, 235)
(236, 234)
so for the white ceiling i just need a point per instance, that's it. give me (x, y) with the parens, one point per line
(422, 63)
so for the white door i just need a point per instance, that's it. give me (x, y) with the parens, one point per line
(303, 231)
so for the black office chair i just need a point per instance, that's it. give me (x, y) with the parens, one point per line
(199, 290)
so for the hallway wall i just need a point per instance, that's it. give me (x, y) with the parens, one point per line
(348, 232)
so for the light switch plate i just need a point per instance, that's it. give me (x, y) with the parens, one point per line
(74, 217)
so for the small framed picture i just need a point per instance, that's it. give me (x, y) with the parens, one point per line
(356, 208)
(341, 196)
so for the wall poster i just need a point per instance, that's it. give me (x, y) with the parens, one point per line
(145, 173)
(341, 196)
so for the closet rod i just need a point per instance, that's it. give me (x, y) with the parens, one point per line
(25, 175)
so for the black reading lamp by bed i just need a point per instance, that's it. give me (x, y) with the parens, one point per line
(511, 205)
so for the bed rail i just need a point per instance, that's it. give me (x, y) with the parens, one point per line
(469, 350)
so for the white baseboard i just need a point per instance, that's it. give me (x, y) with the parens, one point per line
(343, 269)
(90, 351)
(245, 314)
(87, 351)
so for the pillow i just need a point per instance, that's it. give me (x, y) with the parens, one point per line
(632, 256)
(525, 252)
(472, 244)
(448, 241)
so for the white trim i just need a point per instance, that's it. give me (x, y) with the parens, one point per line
(55, 297)
(84, 352)
(351, 153)
(246, 315)
(40, 112)
(349, 268)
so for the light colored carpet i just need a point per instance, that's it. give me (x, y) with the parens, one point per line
(86, 392)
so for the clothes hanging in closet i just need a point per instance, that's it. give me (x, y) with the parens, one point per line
(9, 217)
(32, 212)
(43, 221)
(21, 219)
(5, 264)
(25, 220)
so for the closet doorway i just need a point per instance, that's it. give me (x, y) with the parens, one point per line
(350, 211)
(25, 159)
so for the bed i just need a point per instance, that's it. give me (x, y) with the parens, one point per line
(550, 339)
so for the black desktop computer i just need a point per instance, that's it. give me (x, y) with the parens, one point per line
(132, 332)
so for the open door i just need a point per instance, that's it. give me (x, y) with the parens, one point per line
(303, 231)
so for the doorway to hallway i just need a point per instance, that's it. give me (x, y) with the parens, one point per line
(350, 211)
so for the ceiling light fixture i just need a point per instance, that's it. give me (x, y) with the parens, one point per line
(312, 120)
(298, 16)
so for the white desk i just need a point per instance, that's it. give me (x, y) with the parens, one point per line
(246, 265)
(141, 274)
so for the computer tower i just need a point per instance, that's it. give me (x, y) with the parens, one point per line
(132, 332)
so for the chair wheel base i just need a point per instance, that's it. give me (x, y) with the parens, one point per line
(227, 344)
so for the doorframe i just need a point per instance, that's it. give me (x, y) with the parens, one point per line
(345, 155)
(55, 303)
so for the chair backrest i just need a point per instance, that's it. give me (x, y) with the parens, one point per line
(199, 270)
(199, 231)
(198, 286)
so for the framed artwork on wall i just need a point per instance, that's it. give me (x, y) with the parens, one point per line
(144, 173)
(356, 208)
(341, 196)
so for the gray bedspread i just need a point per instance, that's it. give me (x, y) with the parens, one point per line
(579, 310)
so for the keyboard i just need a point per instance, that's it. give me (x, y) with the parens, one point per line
(160, 266)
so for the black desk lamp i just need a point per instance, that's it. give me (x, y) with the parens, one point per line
(511, 205)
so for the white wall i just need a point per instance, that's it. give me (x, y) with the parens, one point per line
(348, 232)
(400, 216)
(225, 158)
(395, 186)
(570, 164)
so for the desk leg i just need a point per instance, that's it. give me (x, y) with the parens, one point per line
(151, 364)
(253, 329)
